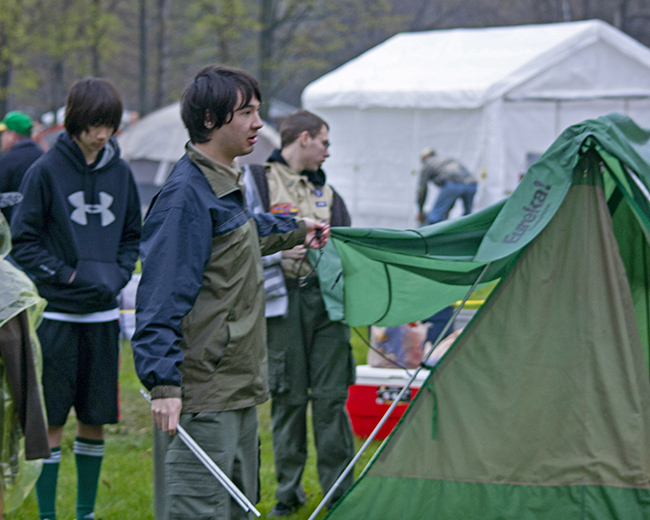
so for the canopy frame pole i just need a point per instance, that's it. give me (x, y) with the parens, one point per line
(397, 399)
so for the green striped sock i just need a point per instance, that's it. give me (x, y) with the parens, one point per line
(46, 485)
(88, 455)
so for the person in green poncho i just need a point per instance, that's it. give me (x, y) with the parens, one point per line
(23, 441)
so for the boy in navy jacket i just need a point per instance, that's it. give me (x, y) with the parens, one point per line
(77, 233)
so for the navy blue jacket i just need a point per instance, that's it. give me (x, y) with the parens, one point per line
(13, 165)
(78, 217)
(200, 302)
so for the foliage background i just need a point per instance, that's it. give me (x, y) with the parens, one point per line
(151, 48)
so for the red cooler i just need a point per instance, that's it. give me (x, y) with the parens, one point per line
(373, 393)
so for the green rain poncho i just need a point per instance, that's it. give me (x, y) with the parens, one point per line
(18, 294)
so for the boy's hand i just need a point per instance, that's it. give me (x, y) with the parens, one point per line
(166, 413)
(295, 253)
(317, 233)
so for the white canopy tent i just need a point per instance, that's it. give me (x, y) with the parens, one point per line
(494, 98)
(153, 144)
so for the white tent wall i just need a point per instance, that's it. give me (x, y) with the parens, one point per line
(548, 119)
(375, 152)
(596, 70)
(530, 117)
(522, 145)
(520, 131)
(375, 157)
(639, 110)
(491, 157)
(492, 98)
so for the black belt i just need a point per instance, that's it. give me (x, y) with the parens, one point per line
(308, 283)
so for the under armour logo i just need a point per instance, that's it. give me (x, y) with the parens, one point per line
(78, 200)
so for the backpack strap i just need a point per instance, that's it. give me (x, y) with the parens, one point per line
(259, 175)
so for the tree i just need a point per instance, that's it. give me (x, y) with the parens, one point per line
(102, 30)
(14, 37)
(301, 39)
(75, 35)
(57, 38)
(222, 31)
(157, 45)
(142, 83)
(279, 23)
(162, 71)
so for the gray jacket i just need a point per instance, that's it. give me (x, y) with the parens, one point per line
(440, 171)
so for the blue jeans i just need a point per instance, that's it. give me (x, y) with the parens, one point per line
(447, 197)
(438, 322)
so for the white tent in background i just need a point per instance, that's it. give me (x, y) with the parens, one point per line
(494, 98)
(153, 144)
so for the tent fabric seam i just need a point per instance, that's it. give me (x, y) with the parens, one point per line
(510, 483)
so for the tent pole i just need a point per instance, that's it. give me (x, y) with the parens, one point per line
(397, 399)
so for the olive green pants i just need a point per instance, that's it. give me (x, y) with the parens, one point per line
(310, 359)
(185, 489)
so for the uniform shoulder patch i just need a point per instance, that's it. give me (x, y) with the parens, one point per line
(284, 209)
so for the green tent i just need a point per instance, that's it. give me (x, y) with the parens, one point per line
(541, 408)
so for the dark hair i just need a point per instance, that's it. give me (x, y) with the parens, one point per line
(92, 102)
(212, 96)
(295, 124)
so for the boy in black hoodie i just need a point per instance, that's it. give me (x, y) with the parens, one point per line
(76, 233)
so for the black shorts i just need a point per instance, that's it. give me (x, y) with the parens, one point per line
(80, 369)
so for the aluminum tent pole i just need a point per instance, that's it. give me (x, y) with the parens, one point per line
(212, 467)
(386, 416)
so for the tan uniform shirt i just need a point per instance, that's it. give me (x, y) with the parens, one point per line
(293, 195)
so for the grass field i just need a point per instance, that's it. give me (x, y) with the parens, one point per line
(126, 490)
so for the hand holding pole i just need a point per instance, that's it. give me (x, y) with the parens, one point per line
(216, 471)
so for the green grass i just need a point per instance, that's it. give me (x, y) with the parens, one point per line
(126, 489)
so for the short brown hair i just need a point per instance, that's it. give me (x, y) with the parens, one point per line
(92, 102)
(295, 124)
(213, 95)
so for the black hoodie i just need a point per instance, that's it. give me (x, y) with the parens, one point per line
(78, 217)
